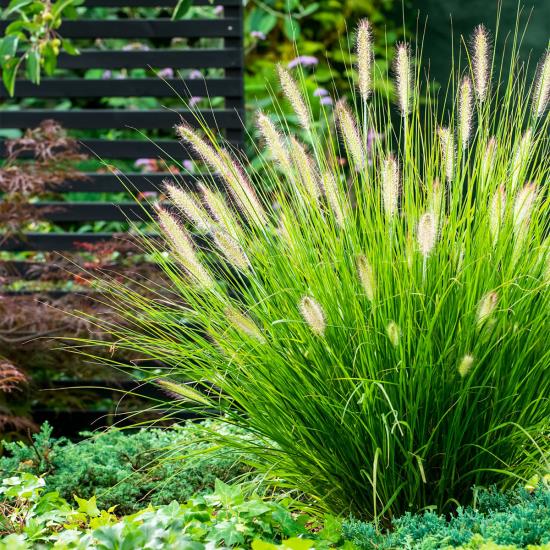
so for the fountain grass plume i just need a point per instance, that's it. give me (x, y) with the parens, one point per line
(381, 326)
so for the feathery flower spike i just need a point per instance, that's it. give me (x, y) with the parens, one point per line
(523, 207)
(390, 185)
(305, 168)
(364, 58)
(219, 210)
(394, 333)
(541, 92)
(226, 167)
(403, 77)
(465, 365)
(366, 276)
(231, 249)
(274, 143)
(488, 160)
(313, 314)
(183, 247)
(446, 139)
(294, 96)
(436, 200)
(486, 306)
(185, 202)
(481, 62)
(426, 233)
(244, 324)
(521, 158)
(332, 193)
(350, 133)
(497, 209)
(465, 111)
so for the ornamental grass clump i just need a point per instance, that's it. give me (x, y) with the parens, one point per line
(378, 319)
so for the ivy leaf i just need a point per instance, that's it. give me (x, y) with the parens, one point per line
(182, 7)
(89, 507)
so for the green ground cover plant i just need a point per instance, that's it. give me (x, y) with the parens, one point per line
(378, 320)
(128, 469)
(230, 517)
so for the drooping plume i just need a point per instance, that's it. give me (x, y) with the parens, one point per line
(403, 78)
(244, 324)
(222, 163)
(183, 247)
(219, 210)
(314, 315)
(304, 168)
(294, 96)
(350, 134)
(274, 142)
(541, 90)
(231, 249)
(465, 111)
(447, 142)
(481, 62)
(390, 185)
(185, 202)
(364, 58)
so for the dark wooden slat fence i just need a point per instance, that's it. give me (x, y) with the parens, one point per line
(212, 45)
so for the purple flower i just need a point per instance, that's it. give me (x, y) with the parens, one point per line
(194, 100)
(258, 34)
(188, 165)
(320, 92)
(147, 165)
(194, 74)
(107, 75)
(166, 73)
(327, 100)
(304, 60)
(218, 10)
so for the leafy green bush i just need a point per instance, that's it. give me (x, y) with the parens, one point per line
(515, 519)
(126, 469)
(223, 519)
(380, 319)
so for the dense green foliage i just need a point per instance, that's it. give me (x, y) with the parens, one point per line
(33, 517)
(517, 518)
(379, 318)
(127, 469)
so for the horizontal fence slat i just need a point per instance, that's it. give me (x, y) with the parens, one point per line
(132, 149)
(92, 211)
(130, 87)
(118, 118)
(199, 58)
(132, 182)
(40, 242)
(146, 28)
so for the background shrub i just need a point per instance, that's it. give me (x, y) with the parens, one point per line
(128, 468)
